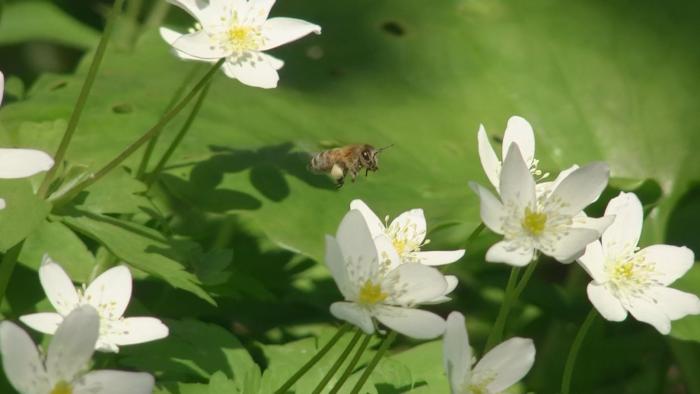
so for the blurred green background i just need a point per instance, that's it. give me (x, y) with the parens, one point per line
(599, 80)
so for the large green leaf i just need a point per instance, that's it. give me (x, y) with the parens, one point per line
(23, 211)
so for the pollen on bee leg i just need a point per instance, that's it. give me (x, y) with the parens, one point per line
(337, 172)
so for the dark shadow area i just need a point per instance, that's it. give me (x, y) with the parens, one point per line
(21, 60)
(385, 388)
(683, 221)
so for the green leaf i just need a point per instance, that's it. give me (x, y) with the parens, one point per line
(139, 246)
(688, 328)
(425, 361)
(118, 192)
(23, 211)
(63, 245)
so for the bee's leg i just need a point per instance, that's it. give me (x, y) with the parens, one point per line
(353, 175)
(339, 182)
(366, 171)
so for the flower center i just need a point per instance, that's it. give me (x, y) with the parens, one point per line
(534, 222)
(631, 276)
(371, 294)
(62, 387)
(244, 38)
(406, 239)
(479, 384)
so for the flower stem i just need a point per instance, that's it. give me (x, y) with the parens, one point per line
(475, 233)
(306, 367)
(573, 353)
(180, 135)
(353, 362)
(373, 364)
(341, 359)
(129, 150)
(524, 279)
(9, 261)
(497, 331)
(82, 98)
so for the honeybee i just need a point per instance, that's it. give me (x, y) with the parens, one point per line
(349, 159)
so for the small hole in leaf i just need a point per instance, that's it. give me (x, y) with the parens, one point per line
(122, 108)
(58, 85)
(393, 28)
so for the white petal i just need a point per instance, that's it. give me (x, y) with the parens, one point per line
(199, 9)
(336, 264)
(440, 257)
(253, 70)
(410, 225)
(110, 292)
(520, 132)
(457, 354)
(46, 323)
(510, 361)
(572, 245)
(22, 163)
(357, 245)
(200, 45)
(21, 361)
(622, 236)
(58, 287)
(375, 225)
(72, 346)
(134, 330)
(605, 302)
(2, 204)
(272, 61)
(418, 283)
(671, 262)
(674, 303)
(598, 224)
(516, 185)
(593, 261)
(548, 187)
(489, 160)
(452, 283)
(582, 187)
(353, 314)
(491, 209)
(170, 36)
(260, 10)
(648, 312)
(115, 382)
(279, 31)
(2, 86)
(506, 252)
(414, 323)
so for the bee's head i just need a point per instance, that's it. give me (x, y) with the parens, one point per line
(370, 157)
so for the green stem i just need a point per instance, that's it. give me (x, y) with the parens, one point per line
(82, 98)
(143, 166)
(475, 233)
(351, 367)
(143, 139)
(306, 367)
(573, 353)
(341, 359)
(9, 261)
(498, 326)
(158, 12)
(375, 360)
(180, 135)
(525, 278)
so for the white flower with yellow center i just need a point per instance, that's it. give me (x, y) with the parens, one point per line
(626, 279)
(20, 163)
(376, 285)
(502, 367)
(551, 222)
(238, 30)
(66, 359)
(109, 294)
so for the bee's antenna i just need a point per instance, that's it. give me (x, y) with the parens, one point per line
(385, 148)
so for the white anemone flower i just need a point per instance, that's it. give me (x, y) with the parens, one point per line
(551, 223)
(62, 372)
(238, 30)
(502, 367)
(109, 294)
(21, 163)
(627, 279)
(376, 285)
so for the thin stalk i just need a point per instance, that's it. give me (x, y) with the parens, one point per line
(9, 261)
(336, 365)
(82, 98)
(143, 166)
(306, 367)
(128, 151)
(525, 278)
(375, 360)
(498, 326)
(573, 353)
(158, 12)
(475, 233)
(180, 135)
(353, 362)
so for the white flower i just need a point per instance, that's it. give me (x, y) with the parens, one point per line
(66, 359)
(109, 293)
(549, 222)
(499, 369)
(21, 163)
(628, 279)
(376, 284)
(239, 31)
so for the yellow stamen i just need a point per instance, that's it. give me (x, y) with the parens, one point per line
(244, 38)
(371, 294)
(534, 222)
(62, 387)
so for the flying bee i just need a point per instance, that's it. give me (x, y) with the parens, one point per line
(349, 159)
